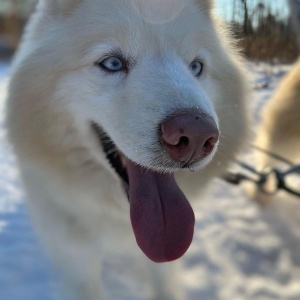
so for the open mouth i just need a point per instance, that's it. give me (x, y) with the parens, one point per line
(162, 218)
(115, 158)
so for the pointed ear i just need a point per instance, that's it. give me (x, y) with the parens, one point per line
(58, 7)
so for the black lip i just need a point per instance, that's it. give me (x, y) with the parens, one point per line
(113, 156)
(111, 152)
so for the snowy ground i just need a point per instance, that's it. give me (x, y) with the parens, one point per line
(240, 252)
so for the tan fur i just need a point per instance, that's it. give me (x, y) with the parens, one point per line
(76, 199)
(280, 127)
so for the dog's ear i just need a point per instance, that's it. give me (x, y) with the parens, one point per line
(58, 7)
(206, 5)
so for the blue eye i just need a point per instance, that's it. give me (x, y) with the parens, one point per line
(112, 64)
(197, 67)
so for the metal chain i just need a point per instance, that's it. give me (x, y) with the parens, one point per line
(269, 181)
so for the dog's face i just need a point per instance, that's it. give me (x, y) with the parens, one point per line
(155, 77)
(131, 66)
(134, 65)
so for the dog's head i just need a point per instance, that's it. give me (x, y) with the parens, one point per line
(153, 76)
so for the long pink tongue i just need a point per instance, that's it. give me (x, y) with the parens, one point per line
(162, 218)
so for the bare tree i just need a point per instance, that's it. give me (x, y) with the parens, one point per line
(295, 14)
(246, 16)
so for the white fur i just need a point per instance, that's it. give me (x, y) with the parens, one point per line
(77, 201)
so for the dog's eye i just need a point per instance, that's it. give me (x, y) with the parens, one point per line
(112, 64)
(197, 68)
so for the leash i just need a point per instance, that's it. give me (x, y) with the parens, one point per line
(273, 155)
(271, 180)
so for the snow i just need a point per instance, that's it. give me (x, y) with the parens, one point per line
(240, 251)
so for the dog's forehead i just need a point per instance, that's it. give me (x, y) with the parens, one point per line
(158, 11)
(137, 26)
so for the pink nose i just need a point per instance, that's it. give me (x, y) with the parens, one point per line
(189, 137)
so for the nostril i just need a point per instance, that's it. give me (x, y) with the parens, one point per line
(184, 141)
(209, 145)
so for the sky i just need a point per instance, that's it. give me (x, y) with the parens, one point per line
(224, 7)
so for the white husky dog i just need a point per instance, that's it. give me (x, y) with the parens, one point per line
(108, 100)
